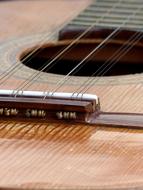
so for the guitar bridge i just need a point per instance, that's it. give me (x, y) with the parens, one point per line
(47, 106)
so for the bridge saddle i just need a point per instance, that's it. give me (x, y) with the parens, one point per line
(47, 105)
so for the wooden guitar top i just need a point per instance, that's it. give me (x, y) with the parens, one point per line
(64, 155)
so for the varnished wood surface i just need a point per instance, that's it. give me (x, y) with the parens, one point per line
(20, 18)
(51, 155)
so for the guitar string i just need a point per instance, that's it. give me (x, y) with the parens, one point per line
(89, 85)
(31, 80)
(65, 78)
(112, 61)
(135, 41)
(138, 36)
(12, 70)
(123, 151)
(79, 37)
(141, 37)
(28, 84)
(120, 57)
(97, 72)
(73, 163)
(116, 57)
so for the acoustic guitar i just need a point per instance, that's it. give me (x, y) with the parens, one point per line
(71, 104)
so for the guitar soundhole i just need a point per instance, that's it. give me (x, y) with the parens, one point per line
(102, 63)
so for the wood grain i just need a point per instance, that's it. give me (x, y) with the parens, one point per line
(47, 155)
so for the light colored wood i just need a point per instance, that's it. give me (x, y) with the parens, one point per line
(22, 18)
(51, 155)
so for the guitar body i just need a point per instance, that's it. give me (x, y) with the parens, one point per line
(64, 155)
